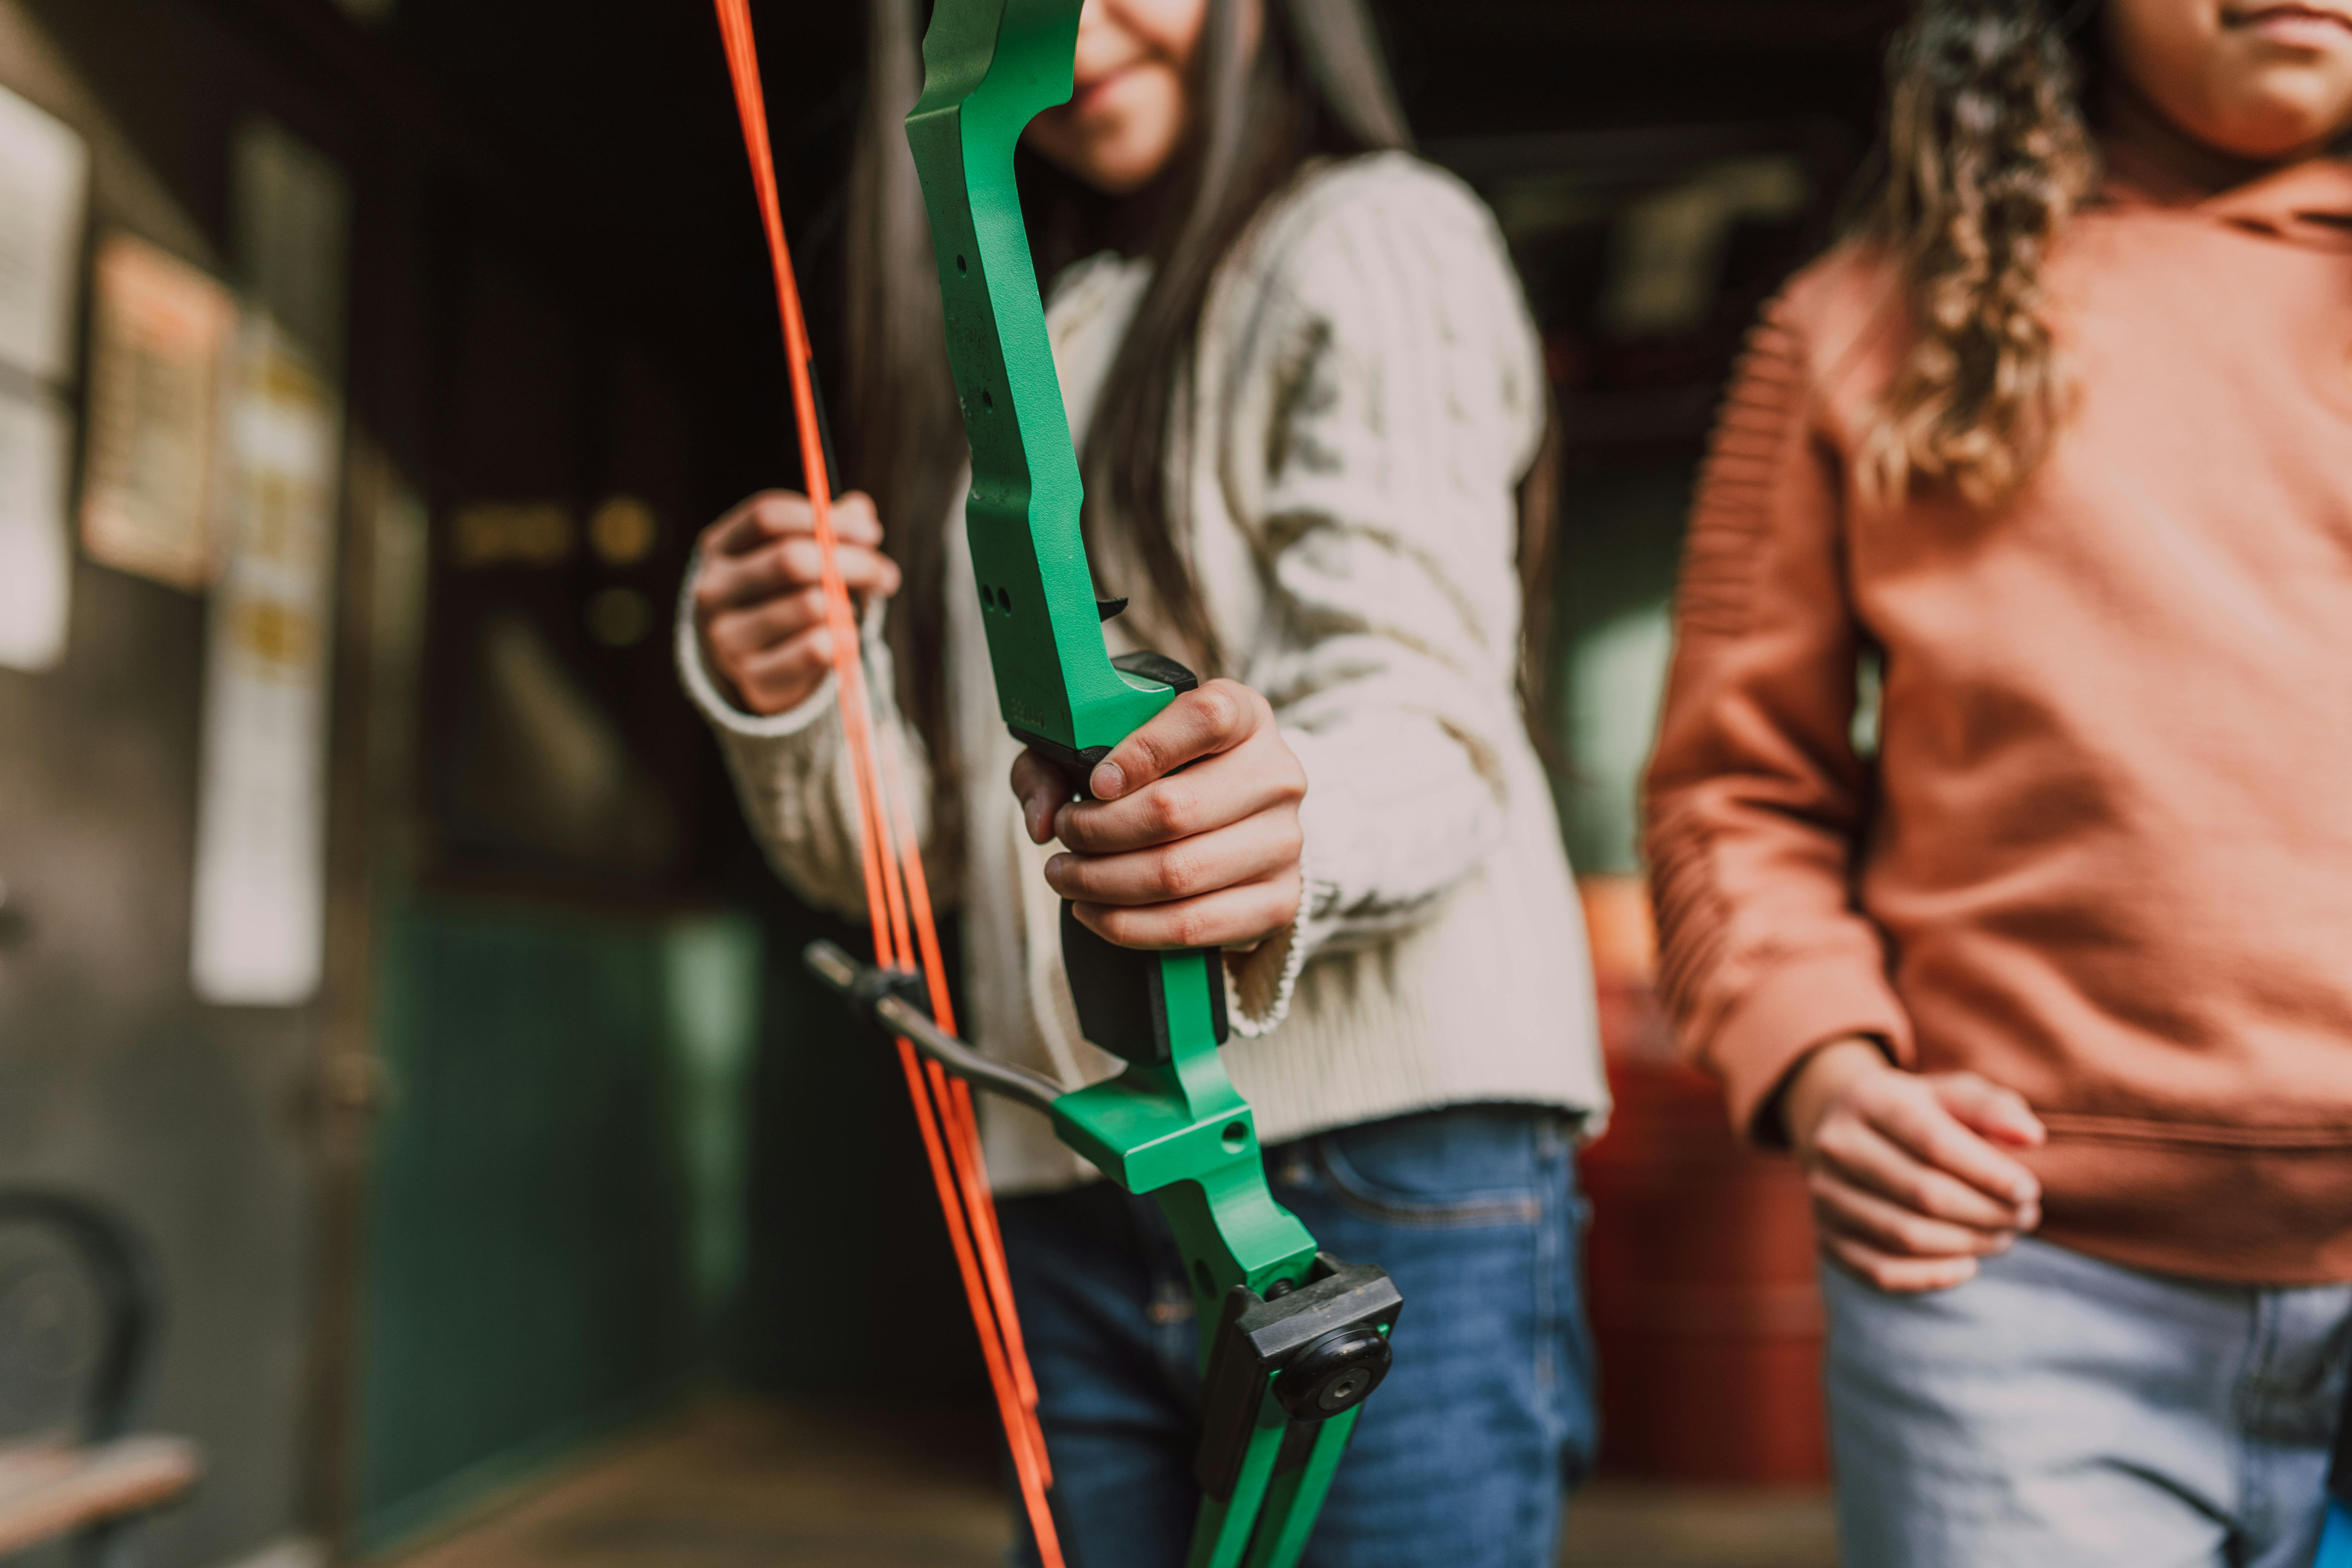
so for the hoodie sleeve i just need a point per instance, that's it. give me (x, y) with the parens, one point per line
(1755, 793)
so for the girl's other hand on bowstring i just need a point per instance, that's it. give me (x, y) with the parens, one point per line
(1205, 856)
(759, 603)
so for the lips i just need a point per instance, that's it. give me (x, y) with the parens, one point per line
(1090, 92)
(2322, 25)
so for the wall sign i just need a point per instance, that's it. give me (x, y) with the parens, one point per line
(261, 816)
(43, 182)
(44, 178)
(36, 562)
(160, 333)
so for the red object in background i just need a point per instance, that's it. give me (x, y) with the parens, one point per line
(1700, 1260)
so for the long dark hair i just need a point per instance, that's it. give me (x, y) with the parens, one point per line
(1282, 83)
(1988, 152)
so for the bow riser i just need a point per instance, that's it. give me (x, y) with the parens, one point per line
(990, 69)
(1172, 1124)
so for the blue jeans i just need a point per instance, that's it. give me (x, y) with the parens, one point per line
(1460, 1458)
(2059, 1412)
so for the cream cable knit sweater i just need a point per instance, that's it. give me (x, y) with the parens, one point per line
(1366, 394)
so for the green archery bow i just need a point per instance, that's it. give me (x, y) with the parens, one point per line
(1292, 1340)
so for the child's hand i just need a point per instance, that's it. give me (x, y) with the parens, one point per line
(758, 604)
(1207, 858)
(1909, 1188)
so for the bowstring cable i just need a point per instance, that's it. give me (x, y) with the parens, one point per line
(955, 1096)
(950, 1148)
(897, 894)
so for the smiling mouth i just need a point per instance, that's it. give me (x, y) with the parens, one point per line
(1089, 93)
(2293, 17)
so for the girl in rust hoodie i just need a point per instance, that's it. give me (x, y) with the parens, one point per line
(2049, 980)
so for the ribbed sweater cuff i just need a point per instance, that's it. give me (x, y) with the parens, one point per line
(1802, 1002)
(1259, 983)
(715, 706)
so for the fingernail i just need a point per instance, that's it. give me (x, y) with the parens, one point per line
(2030, 1217)
(1054, 872)
(1109, 781)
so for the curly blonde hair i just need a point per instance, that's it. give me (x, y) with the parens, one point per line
(1986, 155)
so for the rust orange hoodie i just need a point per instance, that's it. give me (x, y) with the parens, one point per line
(2105, 853)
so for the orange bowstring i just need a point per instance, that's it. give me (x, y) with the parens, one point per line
(955, 1098)
(897, 896)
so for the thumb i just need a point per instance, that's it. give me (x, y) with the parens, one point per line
(1989, 1110)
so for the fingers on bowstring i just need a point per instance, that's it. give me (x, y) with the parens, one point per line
(855, 520)
(788, 565)
(775, 678)
(772, 514)
(754, 521)
(728, 582)
(756, 627)
(800, 559)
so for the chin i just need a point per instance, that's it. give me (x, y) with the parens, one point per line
(1121, 169)
(2263, 115)
(2277, 129)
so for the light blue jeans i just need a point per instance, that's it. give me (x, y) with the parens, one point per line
(2059, 1412)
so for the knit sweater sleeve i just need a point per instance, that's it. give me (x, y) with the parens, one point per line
(1755, 793)
(793, 774)
(1395, 391)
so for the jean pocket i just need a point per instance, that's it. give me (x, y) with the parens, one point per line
(1453, 1169)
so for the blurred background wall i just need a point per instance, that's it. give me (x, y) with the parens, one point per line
(380, 941)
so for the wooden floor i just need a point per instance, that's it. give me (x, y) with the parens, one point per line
(1616, 1524)
(743, 1486)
